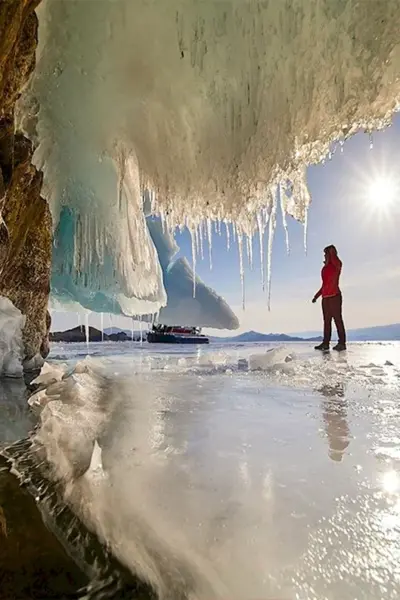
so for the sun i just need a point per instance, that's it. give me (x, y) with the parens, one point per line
(382, 191)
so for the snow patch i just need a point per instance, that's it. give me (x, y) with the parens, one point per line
(12, 322)
(275, 359)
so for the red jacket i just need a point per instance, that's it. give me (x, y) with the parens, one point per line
(330, 277)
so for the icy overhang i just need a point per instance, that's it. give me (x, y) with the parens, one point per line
(213, 105)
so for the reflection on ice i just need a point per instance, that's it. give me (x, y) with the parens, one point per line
(334, 412)
(234, 472)
(15, 418)
(391, 482)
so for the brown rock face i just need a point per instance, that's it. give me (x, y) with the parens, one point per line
(25, 224)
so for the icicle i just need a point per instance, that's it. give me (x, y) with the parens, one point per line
(111, 323)
(305, 232)
(228, 236)
(281, 193)
(197, 239)
(102, 326)
(271, 231)
(261, 239)
(193, 241)
(371, 141)
(141, 332)
(240, 246)
(234, 231)
(341, 142)
(132, 324)
(200, 230)
(209, 234)
(87, 330)
(249, 248)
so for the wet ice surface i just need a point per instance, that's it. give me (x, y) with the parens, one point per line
(249, 472)
(16, 420)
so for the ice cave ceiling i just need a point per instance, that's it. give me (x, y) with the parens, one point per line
(209, 104)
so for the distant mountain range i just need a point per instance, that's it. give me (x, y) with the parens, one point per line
(78, 334)
(255, 336)
(115, 334)
(379, 333)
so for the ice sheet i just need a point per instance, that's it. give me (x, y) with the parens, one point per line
(233, 482)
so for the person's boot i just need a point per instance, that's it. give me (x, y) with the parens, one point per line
(340, 347)
(322, 347)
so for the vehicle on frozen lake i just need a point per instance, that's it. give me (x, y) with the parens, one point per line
(163, 334)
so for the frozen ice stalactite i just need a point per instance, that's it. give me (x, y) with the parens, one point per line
(228, 236)
(194, 253)
(261, 228)
(209, 237)
(271, 232)
(102, 248)
(249, 248)
(102, 326)
(283, 201)
(241, 267)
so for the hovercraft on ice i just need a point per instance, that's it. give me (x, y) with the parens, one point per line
(162, 334)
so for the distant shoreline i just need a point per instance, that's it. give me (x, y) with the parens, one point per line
(384, 333)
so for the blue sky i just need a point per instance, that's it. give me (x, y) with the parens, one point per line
(365, 231)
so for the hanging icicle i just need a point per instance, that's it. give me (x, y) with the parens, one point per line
(241, 268)
(249, 248)
(271, 231)
(283, 204)
(305, 232)
(200, 233)
(209, 235)
(193, 243)
(228, 236)
(261, 227)
(102, 326)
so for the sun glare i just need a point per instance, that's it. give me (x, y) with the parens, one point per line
(391, 482)
(382, 192)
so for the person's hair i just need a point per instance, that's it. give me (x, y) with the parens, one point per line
(330, 248)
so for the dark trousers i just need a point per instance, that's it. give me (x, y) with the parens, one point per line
(332, 309)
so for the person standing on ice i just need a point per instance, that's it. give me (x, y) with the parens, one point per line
(331, 299)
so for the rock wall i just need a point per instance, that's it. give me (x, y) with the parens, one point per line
(25, 222)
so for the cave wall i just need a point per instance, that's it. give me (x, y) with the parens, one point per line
(25, 222)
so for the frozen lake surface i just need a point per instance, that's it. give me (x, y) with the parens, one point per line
(248, 472)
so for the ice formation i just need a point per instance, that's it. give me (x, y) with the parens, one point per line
(190, 301)
(216, 107)
(12, 322)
